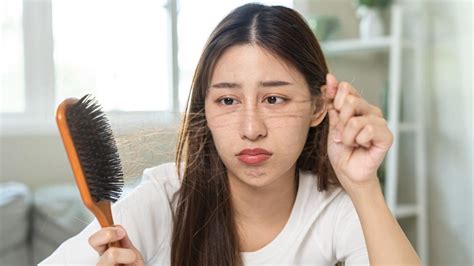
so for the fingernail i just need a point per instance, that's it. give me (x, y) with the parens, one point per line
(120, 233)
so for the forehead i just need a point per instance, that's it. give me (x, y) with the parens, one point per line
(251, 62)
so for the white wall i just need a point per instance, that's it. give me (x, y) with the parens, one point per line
(450, 135)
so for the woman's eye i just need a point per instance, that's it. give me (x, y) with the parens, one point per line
(270, 100)
(226, 101)
(274, 99)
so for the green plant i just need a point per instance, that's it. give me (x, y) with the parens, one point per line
(373, 3)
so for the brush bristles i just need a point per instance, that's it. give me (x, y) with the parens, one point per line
(96, 149)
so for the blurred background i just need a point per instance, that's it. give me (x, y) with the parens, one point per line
(411, 58)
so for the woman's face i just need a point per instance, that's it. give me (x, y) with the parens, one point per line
(256, 100)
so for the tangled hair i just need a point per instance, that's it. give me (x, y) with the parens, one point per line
(204, 230)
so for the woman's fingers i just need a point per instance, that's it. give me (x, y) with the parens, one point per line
(365, 136)
(343, 90)
(353, 127)
(333, 118)
(125, 254)
(362, 130)
(353, 106)
(382, 136)
(330, 90)
(356, 106)
(115, 256)
(104, 236)
(331, 86)
(125, 241)
(350, 115)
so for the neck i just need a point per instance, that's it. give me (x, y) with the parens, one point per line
(267, 205)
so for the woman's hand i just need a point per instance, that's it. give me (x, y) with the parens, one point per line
(127, 254)
(358, 140)
(358, 137)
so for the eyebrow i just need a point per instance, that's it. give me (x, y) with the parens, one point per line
(231, 85)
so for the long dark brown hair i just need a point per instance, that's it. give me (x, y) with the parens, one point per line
(204, 231)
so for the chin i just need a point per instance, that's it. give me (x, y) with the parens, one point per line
(256, 177)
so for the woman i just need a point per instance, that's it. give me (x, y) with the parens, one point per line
(276, 164)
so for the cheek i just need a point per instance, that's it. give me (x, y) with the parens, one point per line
(220, 133)
(292, 124)
(292, 135)
(293, 117)
(229, 124)
(224, 128)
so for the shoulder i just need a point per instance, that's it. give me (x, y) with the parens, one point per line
(320, 201)
(166, 172)
(150, 201)
(347, 237)
(330, 217)
(334, 198)
(156, 182)
(165, 176)
(342, 202)
(161, 171)
(330, 205)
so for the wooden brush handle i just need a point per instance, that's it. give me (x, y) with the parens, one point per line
(105, 217)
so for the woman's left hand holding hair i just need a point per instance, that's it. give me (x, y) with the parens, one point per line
(358, 138)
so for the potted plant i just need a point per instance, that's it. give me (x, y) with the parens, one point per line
(371, 24)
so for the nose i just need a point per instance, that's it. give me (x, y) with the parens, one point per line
(252, 126)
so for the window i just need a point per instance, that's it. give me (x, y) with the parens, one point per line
(116, 50)
(123, 52)
(12, 87)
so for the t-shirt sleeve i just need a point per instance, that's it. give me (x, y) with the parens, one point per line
(144, 213)
(349, 241)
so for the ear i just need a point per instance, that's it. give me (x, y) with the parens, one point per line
(318, 116)
(322, 105)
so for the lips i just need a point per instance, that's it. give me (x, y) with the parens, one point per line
(253, 156)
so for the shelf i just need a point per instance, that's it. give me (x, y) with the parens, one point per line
(340, 47)
(406, 210)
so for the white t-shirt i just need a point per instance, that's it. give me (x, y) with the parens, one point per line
(323, 227)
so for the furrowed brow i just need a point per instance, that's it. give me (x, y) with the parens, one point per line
(274, 83)
(226, 85)
(231, 85)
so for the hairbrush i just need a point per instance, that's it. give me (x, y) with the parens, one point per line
(93, 155)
